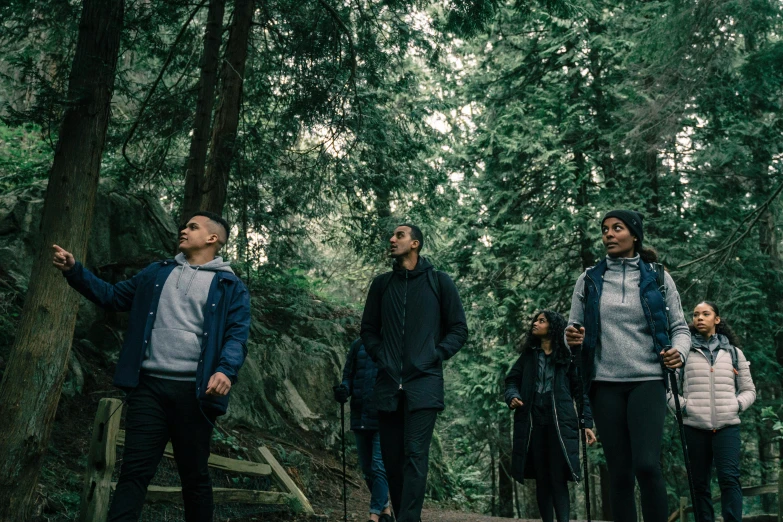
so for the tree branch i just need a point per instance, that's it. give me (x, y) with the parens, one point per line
(336, 17)
(758, 213)
(155, 85)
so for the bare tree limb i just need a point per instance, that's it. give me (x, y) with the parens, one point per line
(336, 17)
(155, 85)
(732, 243)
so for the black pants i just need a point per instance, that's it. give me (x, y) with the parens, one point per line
(159, 410)
(405, 445)
(629, 417)
(723, 448)
(551, 473)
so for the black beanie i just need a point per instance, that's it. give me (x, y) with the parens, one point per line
(632, 219)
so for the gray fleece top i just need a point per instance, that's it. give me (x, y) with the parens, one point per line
(175, 343)
(625, 344)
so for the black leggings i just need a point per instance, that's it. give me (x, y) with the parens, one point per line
(630, 417)
(551, 473)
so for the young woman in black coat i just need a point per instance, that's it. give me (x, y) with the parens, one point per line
(540, 388)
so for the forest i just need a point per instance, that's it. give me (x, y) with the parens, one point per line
(504, 128)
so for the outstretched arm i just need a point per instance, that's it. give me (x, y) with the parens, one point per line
(118, 298)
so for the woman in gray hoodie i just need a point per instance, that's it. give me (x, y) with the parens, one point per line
(716, 387)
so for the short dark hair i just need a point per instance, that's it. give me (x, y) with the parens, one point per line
(416, 234)
(216, 218)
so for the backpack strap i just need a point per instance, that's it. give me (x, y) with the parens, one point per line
(385, 283)
(660, 277)
(735, 366)
(434, 279)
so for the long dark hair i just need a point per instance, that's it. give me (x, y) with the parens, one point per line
(722, 327)
(648, 255)
(557, 325)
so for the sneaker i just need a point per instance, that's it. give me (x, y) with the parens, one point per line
(385, 517)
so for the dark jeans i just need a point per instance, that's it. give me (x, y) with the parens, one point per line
(368, 445)
(551, 473)
(629, 417)
(405, 445)
(723, 448)
(159, 410)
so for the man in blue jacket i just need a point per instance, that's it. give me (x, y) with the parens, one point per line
(186, 341)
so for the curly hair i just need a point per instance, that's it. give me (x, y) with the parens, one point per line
(557, 325)
(721, 328)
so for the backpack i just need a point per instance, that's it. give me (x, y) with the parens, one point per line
(660, 277)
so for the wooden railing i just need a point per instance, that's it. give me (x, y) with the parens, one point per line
(750, 491)
(106, 436)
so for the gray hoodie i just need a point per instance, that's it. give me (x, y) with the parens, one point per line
(175, 344)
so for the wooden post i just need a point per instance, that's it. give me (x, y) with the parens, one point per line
(284, 481)
(100, 461)
(683, 505)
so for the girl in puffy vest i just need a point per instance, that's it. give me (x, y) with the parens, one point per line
(716, 387)
(540, 388)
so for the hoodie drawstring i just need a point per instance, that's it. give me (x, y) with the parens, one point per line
(191, 280)
(180, 274)
(195, 270)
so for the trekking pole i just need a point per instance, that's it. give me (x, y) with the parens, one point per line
(678, 413)
(345, 497)
(580, 401)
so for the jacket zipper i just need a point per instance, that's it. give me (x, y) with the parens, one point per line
(713, 413)
(404, 314)
(559, 436)
(623, 262)
(711, 360)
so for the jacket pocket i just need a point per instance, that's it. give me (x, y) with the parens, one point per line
(426, 357)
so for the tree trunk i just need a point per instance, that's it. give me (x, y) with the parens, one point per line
(199, 143)
(224, 131)
(601, 106)
(769, 451)
(492, 469)
(505, 482)
(36, 368)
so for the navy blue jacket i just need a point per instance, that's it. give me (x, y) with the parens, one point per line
(359, 375)
(653, 304)
(226, 323)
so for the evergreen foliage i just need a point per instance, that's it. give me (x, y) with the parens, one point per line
(505, 128)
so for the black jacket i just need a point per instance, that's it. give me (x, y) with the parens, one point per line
(359, 375)
(521, 383)
(408, 330)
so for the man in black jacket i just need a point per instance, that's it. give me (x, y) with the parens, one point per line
(413, 321)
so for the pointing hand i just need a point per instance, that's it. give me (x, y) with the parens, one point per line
(63, 260)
